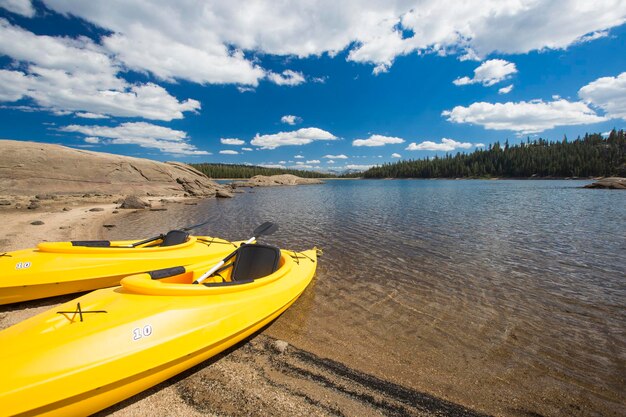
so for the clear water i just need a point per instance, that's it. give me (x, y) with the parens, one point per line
(506, 296)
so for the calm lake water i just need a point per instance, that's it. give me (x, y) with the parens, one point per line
(508, 297)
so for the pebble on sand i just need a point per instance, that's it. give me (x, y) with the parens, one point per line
(37, 223)
(96, 209)
(279, 346)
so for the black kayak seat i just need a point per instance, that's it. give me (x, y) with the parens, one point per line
(255, 261)
(174, 237)
(92, 243)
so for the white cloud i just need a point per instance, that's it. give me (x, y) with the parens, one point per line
(229, 152)
(479, 145)
(232, 141)
(290, 119)
(593, 36)
(357, 167)
(446, 145)
(144, 134)
(92, 139)
(247, 149)
(506, 90)
(302, 136)
(330, 161)
(377, 140)
(87, 115)
(489, 73)
(288, 77)
(22, 7)
(299, 157)
(313, 161)
(524, 117)
(608, 93)
(206, 38)
(74, 75)
(272, 165)
(396, 155)
(342, 156)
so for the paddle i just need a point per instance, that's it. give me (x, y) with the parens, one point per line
(266, 228)
(162, 236)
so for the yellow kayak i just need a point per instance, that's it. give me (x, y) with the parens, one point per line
(55, 268)
(113, 343)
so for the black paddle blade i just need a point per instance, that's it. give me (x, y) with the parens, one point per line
(188, 228)
(266, 228)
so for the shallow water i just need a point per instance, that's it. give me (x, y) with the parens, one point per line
(508, 297)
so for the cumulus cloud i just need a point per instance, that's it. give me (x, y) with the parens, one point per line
(489, 73)
(22, 7)
(396, 155)
(313, 161)
(524, 117)
(87, 115)
(377, 140)
(74, 75)
(144, 134)
(247, 149)
(229, 152)
(505, 90)
(92, 139)
(302, 136)
(358, 167)
(445, 145)
(341, 156)
(232, 141)
(607, 93)
(299, 157)
(290, 119)
(206, 38)
(288, 77)
(330, 161)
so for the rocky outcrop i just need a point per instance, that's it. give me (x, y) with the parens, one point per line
(134, 202)
(275, 180)
(28, 168)
(615, 183)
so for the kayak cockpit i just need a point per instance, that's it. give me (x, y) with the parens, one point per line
(253, 266)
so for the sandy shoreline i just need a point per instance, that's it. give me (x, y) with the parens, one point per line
(253, 378)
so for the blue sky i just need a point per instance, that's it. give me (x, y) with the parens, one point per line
(320, 85)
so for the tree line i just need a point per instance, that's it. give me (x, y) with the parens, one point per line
(592, 155)
(248, 171)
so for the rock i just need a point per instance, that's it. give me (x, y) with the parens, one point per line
(274, 180)
(115, 212)
(68, 171)
(66, 209)
(108, 226)
(158, 209)
(5, 203)
(64, 227)
(614, 183)
(279, 346)
(33, 205)
(134, 202)
(191, 204)
(46, 197)
(96, 209)
(223, 194)
(37, 223)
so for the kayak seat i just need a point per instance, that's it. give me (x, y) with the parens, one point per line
(174, 237)
(92, 243)
(255, 261)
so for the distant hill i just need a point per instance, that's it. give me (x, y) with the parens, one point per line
(28, 168)
(590, 156)
(249, 171)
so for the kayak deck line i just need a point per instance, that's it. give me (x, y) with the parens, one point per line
(80, 312)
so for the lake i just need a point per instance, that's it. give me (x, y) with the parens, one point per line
(508, 297)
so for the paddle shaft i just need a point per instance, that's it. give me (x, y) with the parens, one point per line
(220, 263)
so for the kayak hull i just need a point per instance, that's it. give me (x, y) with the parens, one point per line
(128, 340)
(57, 268)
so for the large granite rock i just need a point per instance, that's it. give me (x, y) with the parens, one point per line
(615, 183)
(28, 168)
(274, 180)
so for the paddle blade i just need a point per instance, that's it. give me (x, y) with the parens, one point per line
(266, 228)
(188, 228)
